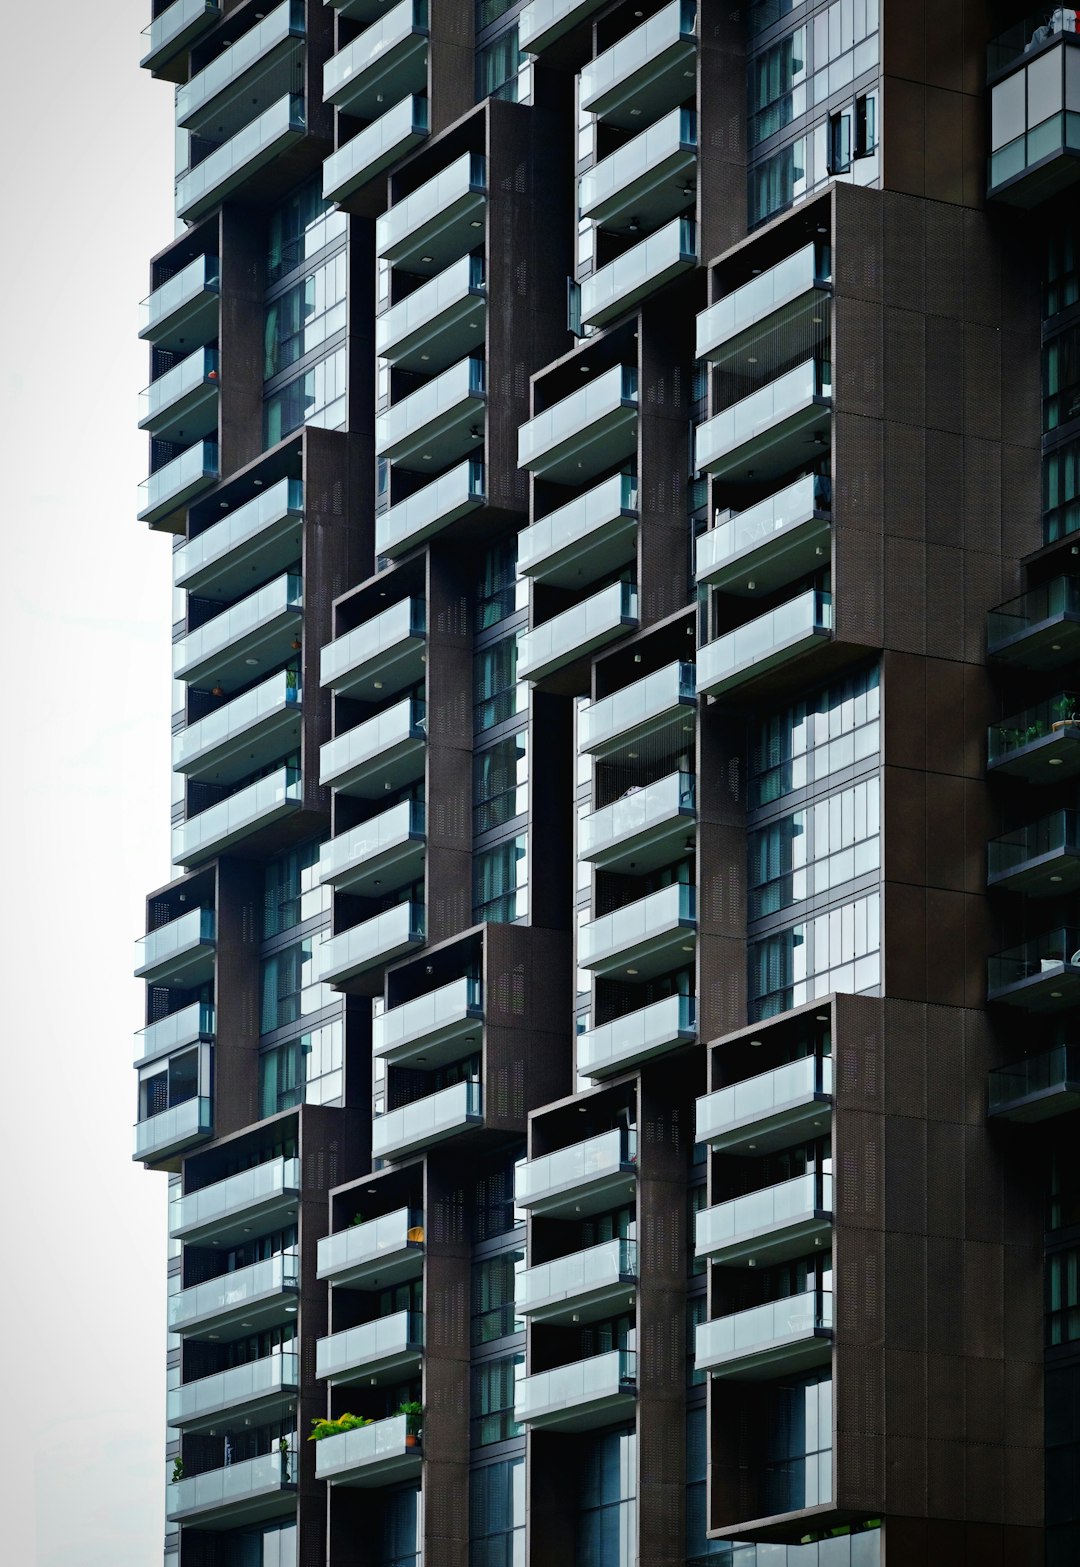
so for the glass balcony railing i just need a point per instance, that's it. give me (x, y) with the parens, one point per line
(775, 1208)
(443, 302)
(564, 638)
(637, 1036)
(262, 1185)
(655, 155)
(454, 395)
(228, 166)
(377, 60)
(427, 510)
(1054, 1074)
(764, 417)
(1056, 717)
(174, 1129)
(272, 1377)
(381, 1447)
(239, 535)
(231, 1292)
(1042, 607)
(375, 148)
(1035, 116)
(204, 740)
(544, 21)
(358, 654)
(212, 830)
(763, 1097)
(175, 27)
(279, 602)
(452, 200)
(763, 1330)
(177, 385)
(346, 761)
(564, 1392)
(196, 284)
(646, 704)
(595, 1271)
(372, 943)
(178, 481)
(1031, 33)
(247, 53)
(572, 530)
(381, 1344)
(428, 1120)
(809, 268)
(615, 393)
(640, 270)
(636, 925)
(185, 1027)
(447, 1011)
(369, 842)
(372, 1245)
(602, 1160)
(622, 74)
(166, 948)
(1048, 955)
(618, 828)
(774, 519)
(219, 1492)
(770, 639)
(1053, 837)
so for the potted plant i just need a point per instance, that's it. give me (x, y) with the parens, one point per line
(324, 1428)
(414, 1414)
(177, 1470)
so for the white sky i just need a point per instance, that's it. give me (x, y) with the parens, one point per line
(84, 798)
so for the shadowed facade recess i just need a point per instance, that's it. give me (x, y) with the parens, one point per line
(610, 1029)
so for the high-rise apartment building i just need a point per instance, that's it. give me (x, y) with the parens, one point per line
(609, 1031)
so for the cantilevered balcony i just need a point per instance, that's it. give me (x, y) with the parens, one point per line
(1040, 744)
(428, 510)
(542, 22)
(171, 486)
(582, 1396)
(641, 270)
(791, 283)
(566, 638)
(424, 1122)
(588, 538)
(1034, 110)
(775, 1109)
(180, 953)
(581, 435)
(175, 28)
(775, 541)
(388, 1249)
(385, 852)
(224, 1211)
(1041, 628)
(242, 735)
(260, 629)
(431, 1029)
(372, 943)
(192, 1025)
(376, 1454)
(772, 430)
(787, 632)
(438, 323)
(358, 10)
(1041, 860)
(245, 1492)
(644, 938)
(224, 170)
(639, 1036)
(376, 147)
(648, 71)
(252, 544)
(212, 831)
(768, 1341)
(588, 1177)
(173, 1130)
(666, 697)
(768, 1226)
(183, 311)
(254, 61)
(384, 751)
(580, 1287)
(438, 422)
(1040, 975)
(184, 399)
(384, 63)
(437, 222)
(386, 653)
(259, 1387)
(262, 1295)
(387, 1347)
(646, 179)
(648, 827)
(1037, 1087)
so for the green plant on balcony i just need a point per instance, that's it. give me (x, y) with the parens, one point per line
(414, 1414)
(1063, 709)
(346, 1422)
(177, 1470)
(357, 1218)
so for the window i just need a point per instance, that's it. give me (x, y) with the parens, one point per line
(317, 397)
(777, 182)
(496, 694)
(1061, 271)
(776, 91)
(699, 1549)
(291, 890)
(493, 1297)
(488, 11)
(493, 1198)
(801, 745)
(169, 1084)
(497, 1514)
(401, 1540)
(1063, 1297)
(1061, 491)
(307, 1070)
(607, 1508)
(838, 950)
(497, 67)
(289, 986)
(797, 1471)
(500, 882)
(1061, 379)
(865, 124)
(300, 320)
(301, 226)
(500, 782)
(493, 1399)
(497, 585)
(839, 153)
(814, 851)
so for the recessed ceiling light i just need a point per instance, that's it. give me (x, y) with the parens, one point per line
(1055, 761)
(755, 1044)
(1055, 878)
(631, 971)
(427, 258)
(476, 224)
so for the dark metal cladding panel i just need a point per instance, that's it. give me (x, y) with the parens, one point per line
(450, 62)
(721, 131)
(447, 1280)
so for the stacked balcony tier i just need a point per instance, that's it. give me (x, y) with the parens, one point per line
(424, 1122)
(170, 487)
(262, 1295)
(372, 944)
(438, 323)
(580, 1287)
(380, 855)
(773, 542)
(1035, 114)
(246, 1492)
(222, 1213)
(439, 221)
(381, 1251)
(229, 166)
(257, 64)
(258, 1387)
(648, 71)
(588, 1177)
(648, 827)
(390, 1347)
(565, 639)
(243, 735)
(647, 180)
(788, 632)
(642, 939)
(436, 424)
(593, 429)
(1037, 1087)
(1041, 628)
(183, 401)
(382, 1453)
(775, 1109)
(585, 539)
(429, 510)
(256, 542)
(581, 1396)
(1040, 975)
(192, 1025)
(781, 295)
(785, 1336)
(772, 430)
(175, 28)
(174, 1130)
(372, 152)
(384, 655)
(627, 1041)
(665, 699)
(432, 1029)
(1041, 860)
(384, 752)
(184, 308)
(180, 953)
(769, 1226)
(384, 64)
(543, 22)
(647, 266)
(263, 628)
(1040, 744)
(261, 804)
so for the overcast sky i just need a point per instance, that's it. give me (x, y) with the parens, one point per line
(84, 793)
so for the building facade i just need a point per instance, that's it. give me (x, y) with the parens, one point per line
(608, 1029)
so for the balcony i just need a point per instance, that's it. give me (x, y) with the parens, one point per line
(646, 178)
(382, 1251)
(593, 429)
(430, 1030)
(386, 751)
(262, 55)
(666, 698)
(224, 1211)
(357, 10)
(379, 855)
(579, 1287)
(542, 22)
(262, 1295)
(222, 173)
(1041, 860)
(376, 147)
(590, 537)
(776, 541)
(242, 735)
(769, 1226)
(646, 828)
(627, 1041)
(1041, 628)
(1040, 975)
(387, 61)
(438, 323)
(261, 629)
(378, 1454)
(179, 1127)
(439, 221)
(171, 487)
(174, 28)
(242, 1493)
(180, 953)
(588, 1177)
(183, 399)
(644, 938)
(389, 1346)
(260, 539)
(261, 804)
(639, 271)
(787, 632)
(793, 282)
(768, 1341)
(577, 632)
(424, 1122)
(256, 1388)
(776, 1109)
(372, 944)
(184, 309)
(1035, 112)
(771, 430)
(437, 423)
(429, 510)
(649, 70)
(1037, 1087)
(586, 1394)
(192, 1025)
(386, 653)
(1039, 745)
